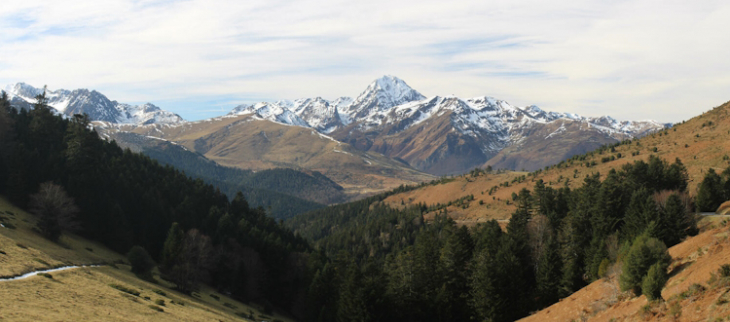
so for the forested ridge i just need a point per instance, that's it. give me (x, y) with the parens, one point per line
(127, 199)
(388, 264)
(283, 192)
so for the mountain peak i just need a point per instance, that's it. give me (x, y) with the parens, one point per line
(383, 94)
(394, 90)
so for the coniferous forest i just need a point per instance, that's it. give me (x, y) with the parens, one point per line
(359, 261)
(127, 199)
(387, 264)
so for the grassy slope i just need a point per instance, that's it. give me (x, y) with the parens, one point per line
(248, 143)
(706, 147)
(84, 294)
(693, 261)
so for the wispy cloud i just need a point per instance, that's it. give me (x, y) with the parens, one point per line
(631, 59)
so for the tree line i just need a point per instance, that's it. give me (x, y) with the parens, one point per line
(123, 199)
(384, 264)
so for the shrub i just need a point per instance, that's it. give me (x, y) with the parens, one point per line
(644, 252)
(603, 267)
(230, 306)
(693, 290)
(46, 275)
(160, 302)
(125, 289)
(41, 261)
(654, 281)
(142, 263)
(156, 308)
(724, 270)
(160, 292)
(216, 297)
(675, 310)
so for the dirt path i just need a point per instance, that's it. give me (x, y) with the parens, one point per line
(34, 273)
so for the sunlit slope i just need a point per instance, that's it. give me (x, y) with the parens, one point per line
(250, 143)
(694, 262)
(86, 294)
(700, 143)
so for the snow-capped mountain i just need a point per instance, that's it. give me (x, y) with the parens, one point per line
(389, 101)
(93, 103)
(438, 134)
(382, 116)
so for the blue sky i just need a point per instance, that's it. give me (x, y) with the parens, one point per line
(639, 59)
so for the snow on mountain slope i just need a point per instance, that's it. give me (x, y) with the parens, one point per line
(389, 101)
(93, 103)
(276, 112)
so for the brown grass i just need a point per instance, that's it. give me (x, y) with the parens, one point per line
(85, 294)
(246, 143)
(703, 152)
(694, 262)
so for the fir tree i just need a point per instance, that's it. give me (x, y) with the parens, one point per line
(548, 274)
(711, 192)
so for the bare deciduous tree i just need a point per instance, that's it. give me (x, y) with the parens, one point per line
(56, 211)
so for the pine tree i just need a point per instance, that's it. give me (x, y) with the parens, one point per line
(487, 299)
(173, 247)
(675, 223)
(645, 251)
(455, 257)
(351, 303)
(640, 212)
(653, 283)
(711, 192)
(549, 273)
(142, 263)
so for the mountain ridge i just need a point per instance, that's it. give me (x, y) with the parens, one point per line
(391, 118)
(93, 103)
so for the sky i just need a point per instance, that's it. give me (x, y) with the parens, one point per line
(634, 60)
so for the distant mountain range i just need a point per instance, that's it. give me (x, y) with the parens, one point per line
(439, 135)
(93, 103)
(446, 135)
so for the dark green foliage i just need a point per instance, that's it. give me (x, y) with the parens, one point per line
(711, 192)
(156, 308)
(724, 270)
(125, 289)
(142, 263)
(124, 198)
(432, 272)
(645, 251)
(172, 249)
(284, 192)
(654, 281)
(548, 274)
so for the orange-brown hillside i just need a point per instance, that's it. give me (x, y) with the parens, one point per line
(251, 143)
(694, 262)
(700, 143)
